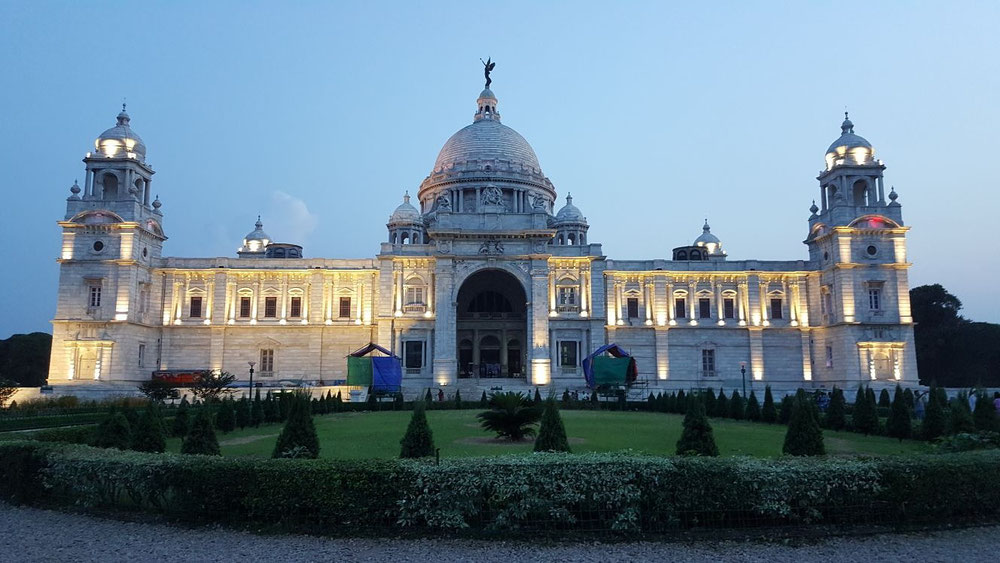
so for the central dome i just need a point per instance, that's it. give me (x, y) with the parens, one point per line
(486, 139)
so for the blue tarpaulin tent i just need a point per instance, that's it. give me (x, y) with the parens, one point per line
(383, 373)
(600, 370)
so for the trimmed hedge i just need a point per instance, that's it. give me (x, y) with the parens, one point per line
(605, 492)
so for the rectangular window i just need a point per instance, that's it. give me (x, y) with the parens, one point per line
(244, 307)
(270, 307)
(680, 306)
(415, 296)
(296, 308)
(195, 309)
(829, 356)
(568, 353)
(776, 308)
(633, 307)
(567, 296)
(704, 308)
(345, 308)
(142, 354)
(729, 309)
(708, 363)
(875, 298)
(413, 354)
(266, 362)
(95, 296)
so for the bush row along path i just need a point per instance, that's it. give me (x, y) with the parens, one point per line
(31, 534)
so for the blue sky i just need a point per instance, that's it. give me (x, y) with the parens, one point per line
(654, 116)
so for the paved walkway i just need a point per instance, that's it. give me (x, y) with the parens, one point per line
(29, 534)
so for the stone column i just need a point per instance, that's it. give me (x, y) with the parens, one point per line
(609, 292)
(741, 300)
(719, 306)
(618, 303)
(88, 185)
(444, 361)
(359, 291)
(648, 297)
(692, 302)
(584, 291)
(538, 325)
(662, 353)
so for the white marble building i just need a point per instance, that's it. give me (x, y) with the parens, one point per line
(484, 277)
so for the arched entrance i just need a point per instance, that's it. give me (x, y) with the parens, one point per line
(491, 323)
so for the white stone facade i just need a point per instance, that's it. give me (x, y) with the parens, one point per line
(483, 279)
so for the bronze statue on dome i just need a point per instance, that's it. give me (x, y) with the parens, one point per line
(488, 64)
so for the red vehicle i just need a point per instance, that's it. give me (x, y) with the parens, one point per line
(178, 377)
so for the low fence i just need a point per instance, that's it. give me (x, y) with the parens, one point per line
(595, 493)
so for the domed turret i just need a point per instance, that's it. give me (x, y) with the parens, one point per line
(849, 148)
(121, 141)
(571, 226)
(708, 241)
(405, 225)
(256, 241)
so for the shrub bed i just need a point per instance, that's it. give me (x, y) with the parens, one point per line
(594, 492)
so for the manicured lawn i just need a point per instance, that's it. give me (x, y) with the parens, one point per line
(457, 434)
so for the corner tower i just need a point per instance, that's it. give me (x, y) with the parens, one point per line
(112, 236)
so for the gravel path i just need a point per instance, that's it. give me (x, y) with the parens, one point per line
(29, 534)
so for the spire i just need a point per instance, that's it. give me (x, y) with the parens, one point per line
(569, 199)
(258, 224)
(406, 196)
(847, 126)
(123, 117)
(705, 228)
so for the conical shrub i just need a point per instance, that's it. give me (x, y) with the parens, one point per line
(458, 398)
(696, 438)
(552, 434)
(114, 432)
(149, 435)
(884, 400)
(899, 425)
(753, 408)
(768, 412)
(985, 414)
(418, 440)
(737, 408)
(836, 411)
(804, 436)
(298, 437)
(242, 413)
(225, 416)
(935, 416)
(182, 421)
(201, 438)
(961, 416)
(721, 406)
(785, 409)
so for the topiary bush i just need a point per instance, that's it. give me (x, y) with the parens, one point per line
(225, 416)
(696, 438)
(418, 440)
(960, 417)
(299, 430)
(836, 411)
(753, 413)
(114, 432)
(785, 409)
(935, 416)
(150, 435)
(985, 414)
(768, 413)
(552, 433)
(899, 425)
(804, 436)
(737, 407)
(201, 437)
(179, 428)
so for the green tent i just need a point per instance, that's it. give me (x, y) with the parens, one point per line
(359, 371)
(611, 371)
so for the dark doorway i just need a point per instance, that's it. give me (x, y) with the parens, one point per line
(491, 317)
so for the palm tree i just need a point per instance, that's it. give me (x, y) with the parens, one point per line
(511, 416)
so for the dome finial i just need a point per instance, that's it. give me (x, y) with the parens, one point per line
(813, 208)
(406, 196)
(847, 126)
(705, 227)
(258, 224)
(488, 65)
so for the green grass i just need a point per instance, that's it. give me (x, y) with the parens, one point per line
(377, 435)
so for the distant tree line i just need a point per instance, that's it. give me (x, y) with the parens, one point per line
(952, 351)
(24, 358)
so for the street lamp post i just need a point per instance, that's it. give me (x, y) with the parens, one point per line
(743, 373)
(250, 394)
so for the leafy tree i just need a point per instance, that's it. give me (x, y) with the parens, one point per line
(767, 412)
(181, 422)
(961, 416)
(552, 433)
(458, 398)
(418, 440)
(242, 413)
(785, 409)
(150, 435)
(721, 405)
(804, 436)
(225, 417)
(209, 386)
(935, 416)
(899, 424)
(114, 432)
(201, 438)
(7, 390)
(24, 358)
(299, 431)
(753, 407)
(696, 438)
(985, 414)
(510, 416)
(884, 401)
(836, 411)
(737, 407)
(158, 390)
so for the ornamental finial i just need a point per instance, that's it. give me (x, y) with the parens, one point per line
(488, 65)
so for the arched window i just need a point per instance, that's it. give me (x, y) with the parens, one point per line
(110, 183)
(404, 238)
(570, 239)
(392, 237)
(696, 255)
(682, 255)
(561, 241)
(862, 196)
(416, 238)
(490, 302)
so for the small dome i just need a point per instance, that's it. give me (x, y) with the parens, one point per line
(570, 212)
(849, 145)
(487, 94)
(709, 241)
(405, 213)
(121, 140)
(256, 240)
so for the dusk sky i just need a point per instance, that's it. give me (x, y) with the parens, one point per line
(318, 116)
